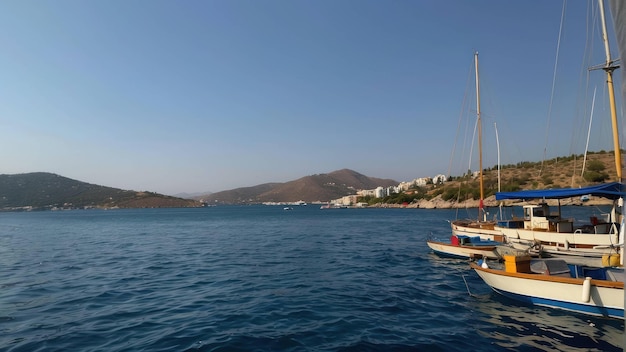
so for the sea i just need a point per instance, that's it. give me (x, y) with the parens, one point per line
(260, 278)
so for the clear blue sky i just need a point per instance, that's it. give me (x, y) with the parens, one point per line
(194, 96)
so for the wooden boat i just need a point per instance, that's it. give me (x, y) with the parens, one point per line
(481, 228)
(555, 284)
(595, 242)
(478, 227)
(542, 229)
(465, 247)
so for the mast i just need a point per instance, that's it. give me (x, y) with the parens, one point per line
(480, 141)
(498, 146)
(609, 67)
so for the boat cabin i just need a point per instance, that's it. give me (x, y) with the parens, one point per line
(539, 218)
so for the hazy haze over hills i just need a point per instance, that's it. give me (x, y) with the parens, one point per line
(42, 190)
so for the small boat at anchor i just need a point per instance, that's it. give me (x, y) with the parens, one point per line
(461, 246)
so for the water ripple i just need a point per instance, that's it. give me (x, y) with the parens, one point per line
(257, 279)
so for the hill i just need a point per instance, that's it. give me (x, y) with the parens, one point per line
(40, 190)
(48, 191)
(560, 172)
(464, 191)
(320, 187)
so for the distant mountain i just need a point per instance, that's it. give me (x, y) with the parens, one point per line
(40, 190)
(321, 187)
(185, 195)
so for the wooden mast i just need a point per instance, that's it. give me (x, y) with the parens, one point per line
(609, 67)
(480, 142)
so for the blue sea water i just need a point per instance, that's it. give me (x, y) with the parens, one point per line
(259, 278)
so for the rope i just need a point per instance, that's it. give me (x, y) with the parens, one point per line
(458, 128)
(556, 61)
(467, 286)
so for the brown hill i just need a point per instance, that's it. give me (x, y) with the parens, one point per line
(320, 187)
(41, 190)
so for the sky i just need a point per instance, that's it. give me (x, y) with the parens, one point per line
(204, 96)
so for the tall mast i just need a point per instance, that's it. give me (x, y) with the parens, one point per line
(480, 140)
(609, 67)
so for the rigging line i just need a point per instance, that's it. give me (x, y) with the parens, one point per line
(584, 81)
(584, 86)
(556, 61)
(464, 106)
(458, 127)
(593, 102)
(467, 286)
(469, 166)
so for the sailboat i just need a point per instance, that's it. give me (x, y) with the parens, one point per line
(480, 227)
(470, 238)
(556, 283)
(598, 242)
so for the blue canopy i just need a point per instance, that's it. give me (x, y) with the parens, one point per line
(613, 190)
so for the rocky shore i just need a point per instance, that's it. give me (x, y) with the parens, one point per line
(439, 203)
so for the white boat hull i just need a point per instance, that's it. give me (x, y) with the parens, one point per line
(450, 250)
(472, 229)
(604, 298)
(577, 244)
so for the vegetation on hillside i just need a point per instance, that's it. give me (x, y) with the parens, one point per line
(559, 172)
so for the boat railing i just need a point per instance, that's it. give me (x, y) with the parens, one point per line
(603, 228)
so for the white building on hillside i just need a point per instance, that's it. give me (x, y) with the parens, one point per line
(405, 186)
(367, 193)
(423, 181)
(439, 179)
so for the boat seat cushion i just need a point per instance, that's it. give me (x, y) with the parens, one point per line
(554, 267)
(615, 274)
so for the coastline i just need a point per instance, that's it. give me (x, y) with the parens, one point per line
(490, 202)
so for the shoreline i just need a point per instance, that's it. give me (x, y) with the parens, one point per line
(490, 202)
